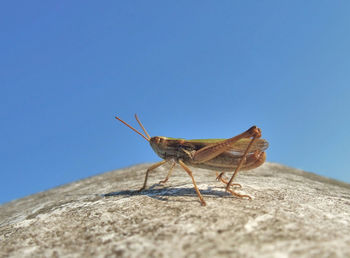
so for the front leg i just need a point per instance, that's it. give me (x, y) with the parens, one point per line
(154, 166)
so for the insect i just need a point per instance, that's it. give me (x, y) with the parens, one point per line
(241, 152)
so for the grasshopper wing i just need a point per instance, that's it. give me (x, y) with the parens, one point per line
(241, 145)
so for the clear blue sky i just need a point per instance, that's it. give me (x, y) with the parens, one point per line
(190, 69)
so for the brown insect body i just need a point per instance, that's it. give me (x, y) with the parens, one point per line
(241, 152)
(174, 149)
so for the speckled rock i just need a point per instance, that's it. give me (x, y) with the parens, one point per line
(292, 214)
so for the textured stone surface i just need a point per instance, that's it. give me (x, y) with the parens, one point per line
(293, 213)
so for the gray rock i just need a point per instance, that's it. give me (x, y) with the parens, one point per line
(293, 214)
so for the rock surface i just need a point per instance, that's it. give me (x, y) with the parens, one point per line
(293, 214)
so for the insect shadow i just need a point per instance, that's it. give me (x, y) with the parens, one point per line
(163, 193)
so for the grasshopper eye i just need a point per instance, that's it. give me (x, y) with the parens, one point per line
(155, 139)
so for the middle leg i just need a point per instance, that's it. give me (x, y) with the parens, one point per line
(189, 172)
(169, 174)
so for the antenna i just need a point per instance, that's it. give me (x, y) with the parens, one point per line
(132, 128)
(142, 126)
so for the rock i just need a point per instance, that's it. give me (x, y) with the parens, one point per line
(292, 213)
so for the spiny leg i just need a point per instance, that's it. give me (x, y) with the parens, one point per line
(222, 179)
(237, 194)
(169, 174)
(209, 152)
(243, 159)
(219, 176)
(189, 172)
(154, 166)
(252, 161)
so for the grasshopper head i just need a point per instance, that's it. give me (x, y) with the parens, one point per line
(158, 145)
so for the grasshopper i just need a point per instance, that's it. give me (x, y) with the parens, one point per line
(241, 152)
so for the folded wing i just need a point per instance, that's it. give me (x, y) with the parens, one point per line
(241, 145)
